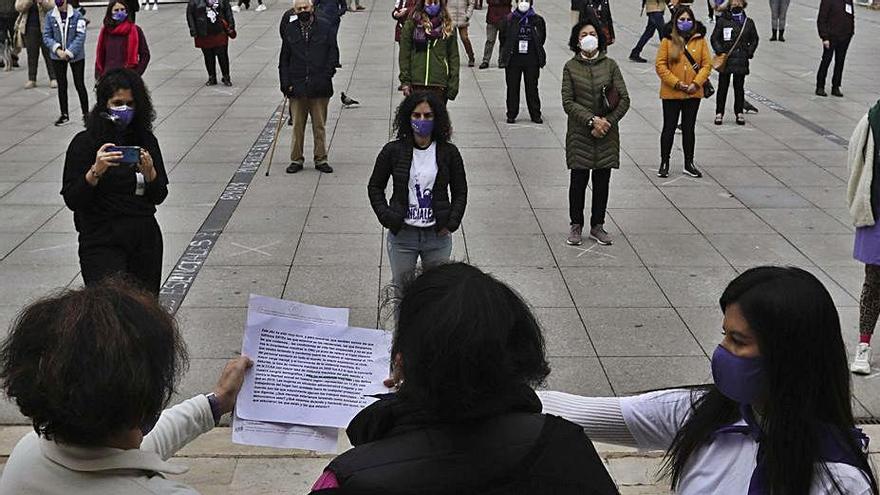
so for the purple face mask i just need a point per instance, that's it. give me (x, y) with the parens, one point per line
(738, 378)
(119, 16)
(432, 9)
(122, 115)
(422, 128)
(685, 25)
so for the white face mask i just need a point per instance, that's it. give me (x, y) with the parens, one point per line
(589, 43)
(524, 7)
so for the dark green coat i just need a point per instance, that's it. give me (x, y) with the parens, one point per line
(435, 66)
(582, 82)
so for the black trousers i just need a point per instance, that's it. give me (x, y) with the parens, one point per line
(34, 45)
(214, 55)
(739, 92)
(129, 245)
(78, 69)
(577, 194)
(529, 73)
(837, 51)
(688, 109)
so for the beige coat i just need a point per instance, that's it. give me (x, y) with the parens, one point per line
(37, 465)
(861, 172)
(461, 11)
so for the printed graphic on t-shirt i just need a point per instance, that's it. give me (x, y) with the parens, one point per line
(422, 174)
(423, 211)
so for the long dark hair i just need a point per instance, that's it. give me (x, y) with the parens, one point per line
(466, 339)
(113, 80)
(808, 384)
(108, 14)
(442, 125)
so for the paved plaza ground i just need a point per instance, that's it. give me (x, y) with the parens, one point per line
(638, 315)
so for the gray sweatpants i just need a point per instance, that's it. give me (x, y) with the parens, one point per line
(778, 8)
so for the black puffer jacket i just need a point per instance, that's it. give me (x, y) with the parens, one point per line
(196, 16)
(307, 62)
(509, 37)
(738, 60)
(395, 161)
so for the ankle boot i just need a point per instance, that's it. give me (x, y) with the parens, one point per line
(773, 37)
(782, 35)
(664, 169)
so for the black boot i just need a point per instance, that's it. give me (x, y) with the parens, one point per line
(773, 37)
(782, 35)
(664, 169)
(835, 91)
(691, 170)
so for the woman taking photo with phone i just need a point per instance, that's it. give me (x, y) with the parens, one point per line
(114, 177)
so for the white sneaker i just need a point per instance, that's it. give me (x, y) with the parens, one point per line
(862, 363)
(156, 6)
(261, 7)
(236, 9)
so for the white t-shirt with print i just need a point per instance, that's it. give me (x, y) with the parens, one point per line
(724, 466)
(422, 174)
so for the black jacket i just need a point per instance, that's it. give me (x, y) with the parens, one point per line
(197, 19)
(833, 22)
(114, 195)
(515, 450)
(509, 37)
(738, 60)
(308, 58)
(332, 10)
(599, 11)
(395, 161)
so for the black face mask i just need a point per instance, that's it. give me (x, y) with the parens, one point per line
(737, 10)
(305, 17)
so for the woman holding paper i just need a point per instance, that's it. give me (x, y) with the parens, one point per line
(92, 369)
(429, 193)
(465, 418)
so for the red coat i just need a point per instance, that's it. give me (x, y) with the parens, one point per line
(498, 11)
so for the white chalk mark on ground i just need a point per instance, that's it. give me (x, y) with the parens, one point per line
(50, 248)
(258, 249)
(590, 250)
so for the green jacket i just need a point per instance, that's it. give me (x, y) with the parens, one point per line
(582, 82)
(436, 66)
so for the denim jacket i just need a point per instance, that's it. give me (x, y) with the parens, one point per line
(72, 41)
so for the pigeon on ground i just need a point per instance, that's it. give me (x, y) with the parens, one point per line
(346, 101)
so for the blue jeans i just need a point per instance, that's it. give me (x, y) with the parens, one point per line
(655, 23)
(405, 248)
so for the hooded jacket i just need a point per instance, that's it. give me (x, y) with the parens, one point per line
(673, 71)
(738, 59)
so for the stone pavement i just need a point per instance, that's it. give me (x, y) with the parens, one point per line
(638, 315)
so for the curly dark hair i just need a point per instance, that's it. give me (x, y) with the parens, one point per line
(86, 364)
(112, 81)
(442, 125)
(465, 339)
(574, 42)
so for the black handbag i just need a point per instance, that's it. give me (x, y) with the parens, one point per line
(610, 99)
(708, 88)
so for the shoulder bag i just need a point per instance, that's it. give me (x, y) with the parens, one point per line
(720, 60)
(708, 89)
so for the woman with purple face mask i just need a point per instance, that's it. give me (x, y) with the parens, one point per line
(114, 177)
(777, 419)
(429, 192)
(121, 43)
(428, 55)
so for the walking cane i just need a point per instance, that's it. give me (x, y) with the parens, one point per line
(275, 139)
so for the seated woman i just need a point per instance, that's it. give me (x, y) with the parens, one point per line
(465, 418)
(93, 369)
(778, 418)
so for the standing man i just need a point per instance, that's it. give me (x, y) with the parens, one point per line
(309, 56)
(654, 10)
(837, 24)
(498, 12)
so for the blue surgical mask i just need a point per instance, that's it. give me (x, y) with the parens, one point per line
(422, 128)
(119, 16)
(432, 9)
(737, 378)
(685, 25)
(122, 115)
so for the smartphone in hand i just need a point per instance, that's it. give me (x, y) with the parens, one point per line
(131, 155)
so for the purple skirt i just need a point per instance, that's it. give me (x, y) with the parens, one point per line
(867, 245)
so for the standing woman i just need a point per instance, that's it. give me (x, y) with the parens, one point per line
(114, 203)
(429, 187)
(778, 418)
(681, 84)
(121, 43)
(595, 98)
(211, 23)
(598, 12)
(736, 36)
(64, 34)
(461, 12)
(402, 9)
(32, 18)
(428, 56)
(523, 56)
(778, 9)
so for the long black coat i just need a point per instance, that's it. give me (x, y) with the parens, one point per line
(307, 64)
(509, 37)
(738, 60)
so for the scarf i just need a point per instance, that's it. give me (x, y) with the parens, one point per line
(422, 36)
(832, 448)
(125, 28)
(523, 18)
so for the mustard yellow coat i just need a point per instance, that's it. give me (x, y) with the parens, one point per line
(672, 71)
